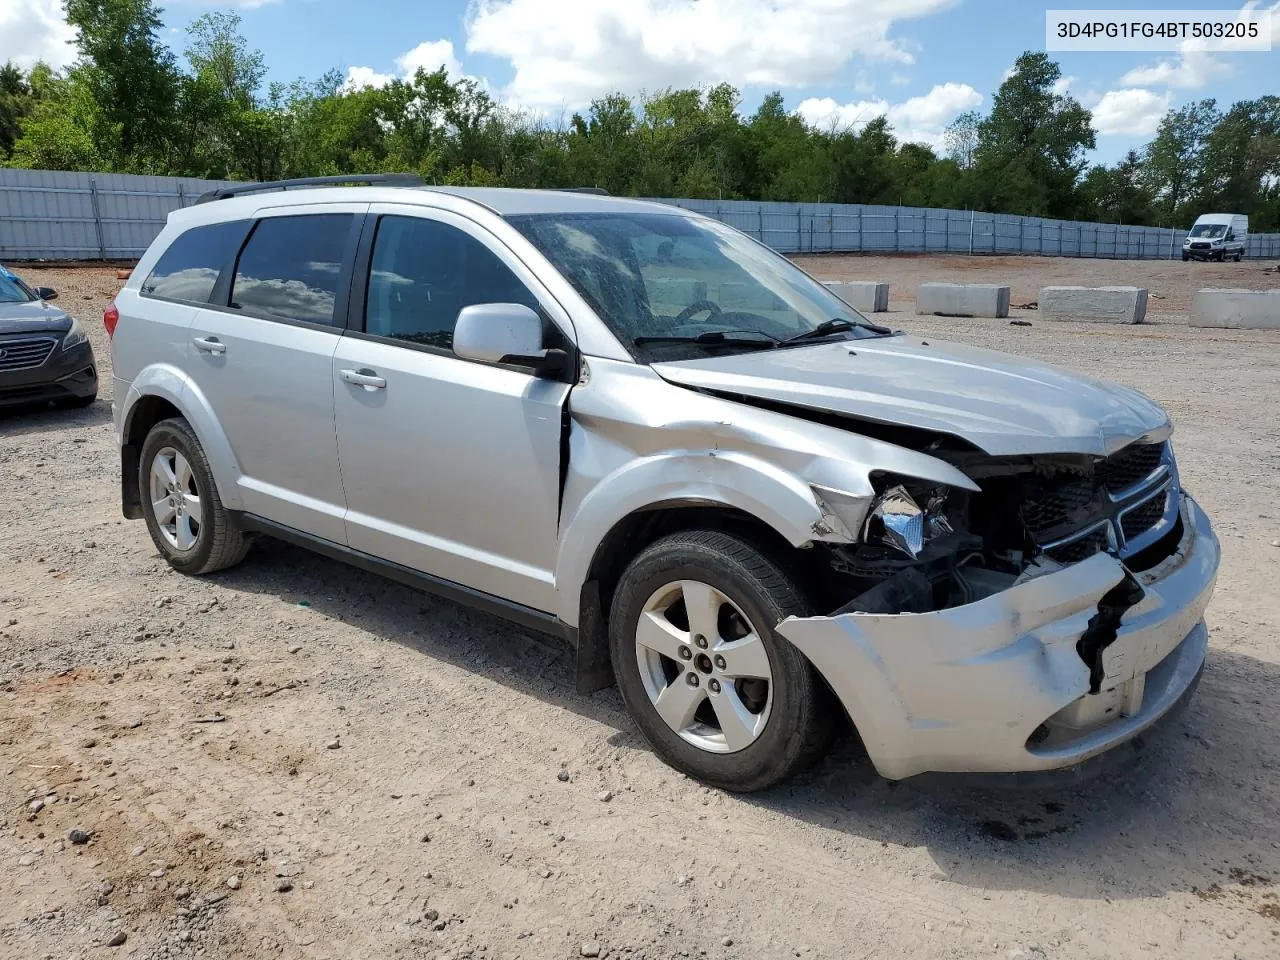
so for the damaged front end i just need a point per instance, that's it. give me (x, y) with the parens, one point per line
(1028, 626)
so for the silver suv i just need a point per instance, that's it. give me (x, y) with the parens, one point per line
(639, 429)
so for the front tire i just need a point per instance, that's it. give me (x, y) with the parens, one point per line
(189, 525)
(715, 690)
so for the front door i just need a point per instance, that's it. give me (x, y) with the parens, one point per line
(452, 467)
(263, 361)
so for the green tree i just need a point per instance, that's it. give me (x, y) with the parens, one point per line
(15, 103)
(130, 74)
(1031, 147)
(1172, 164)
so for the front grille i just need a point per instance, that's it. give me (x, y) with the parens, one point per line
(1081, 508)
(25, 353)
(1130, 466)
(1144, 516)
(1199, 246)
(1053, 506)
(1081, 548)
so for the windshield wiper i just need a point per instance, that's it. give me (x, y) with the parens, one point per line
(836, 325)
(717, 338)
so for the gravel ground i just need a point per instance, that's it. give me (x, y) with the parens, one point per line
(295, 759)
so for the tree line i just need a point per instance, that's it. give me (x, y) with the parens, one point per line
(129, 104)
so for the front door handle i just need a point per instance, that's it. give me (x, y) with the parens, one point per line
(364, 377)
(210, 345)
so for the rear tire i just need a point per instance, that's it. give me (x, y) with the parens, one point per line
(189, 525)
(758, 712)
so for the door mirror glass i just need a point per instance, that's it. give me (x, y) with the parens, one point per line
(499, 333)
(46, 293)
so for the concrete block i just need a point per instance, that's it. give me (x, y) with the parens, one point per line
(1094, 304)
(865, 296)
(1236, 309)
(677, 291)
(963, 299)
(735, 295)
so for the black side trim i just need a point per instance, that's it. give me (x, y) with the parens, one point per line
(506, 609)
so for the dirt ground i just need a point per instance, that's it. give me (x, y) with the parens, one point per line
(294, 759)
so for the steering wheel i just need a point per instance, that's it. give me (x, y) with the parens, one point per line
(697, 307)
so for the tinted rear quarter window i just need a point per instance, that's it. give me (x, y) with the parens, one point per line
(291, 268)
(189, 269)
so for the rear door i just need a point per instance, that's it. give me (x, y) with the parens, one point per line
(452, 466)
(261, 355)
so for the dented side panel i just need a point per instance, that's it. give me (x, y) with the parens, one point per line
(964, 689)
(637, 442)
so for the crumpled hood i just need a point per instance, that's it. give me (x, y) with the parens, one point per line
(1002, 404)
(34, 317)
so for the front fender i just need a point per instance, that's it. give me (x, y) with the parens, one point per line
(706, 477)
(171, 384)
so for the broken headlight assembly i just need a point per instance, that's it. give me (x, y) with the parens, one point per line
(897, 520)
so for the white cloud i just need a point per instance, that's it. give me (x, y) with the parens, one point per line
(1062, 85)
(917, 120)
(34, 30)
(1133, 112)
(1194, 67)
(430, 55)
(569, 52)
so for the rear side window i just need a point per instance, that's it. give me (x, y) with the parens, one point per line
(291, 268)
(189, 269)
(424, 272)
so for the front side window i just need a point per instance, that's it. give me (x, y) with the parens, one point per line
(189, 269)
(675, 287)
(291, 267)
(424, 272)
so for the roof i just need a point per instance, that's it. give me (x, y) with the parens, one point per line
(507, 201)
(502, 201)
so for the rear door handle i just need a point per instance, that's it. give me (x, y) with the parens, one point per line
(364, 377)
(210, 345)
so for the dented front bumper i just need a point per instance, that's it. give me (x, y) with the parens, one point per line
(997, 686)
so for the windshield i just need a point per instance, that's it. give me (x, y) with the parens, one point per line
(13, 290)
(1210, 230)
(672, 277)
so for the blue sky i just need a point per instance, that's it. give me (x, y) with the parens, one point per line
(837, 61)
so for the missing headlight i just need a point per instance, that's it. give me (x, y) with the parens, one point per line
(896, 519)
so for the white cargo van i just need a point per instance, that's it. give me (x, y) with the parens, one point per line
(1217, 236)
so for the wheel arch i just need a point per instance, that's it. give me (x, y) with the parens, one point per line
(624, 513)
(160, 393)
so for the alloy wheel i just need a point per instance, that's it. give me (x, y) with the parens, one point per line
(175, 499)
(704, 666)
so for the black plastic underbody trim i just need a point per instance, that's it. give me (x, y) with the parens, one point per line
(506, 609)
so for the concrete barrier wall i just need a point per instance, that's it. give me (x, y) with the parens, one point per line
(963, 299)
(865, 296)
(1236, 309)
(1094, 304)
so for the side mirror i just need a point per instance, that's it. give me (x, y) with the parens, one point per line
(505, 333)
(46, 293)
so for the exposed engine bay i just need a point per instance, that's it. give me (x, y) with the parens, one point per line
(926, 548)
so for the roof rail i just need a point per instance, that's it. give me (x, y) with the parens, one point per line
(599, 191)
(361, 179)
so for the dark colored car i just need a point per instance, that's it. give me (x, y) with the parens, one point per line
(44, 352)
